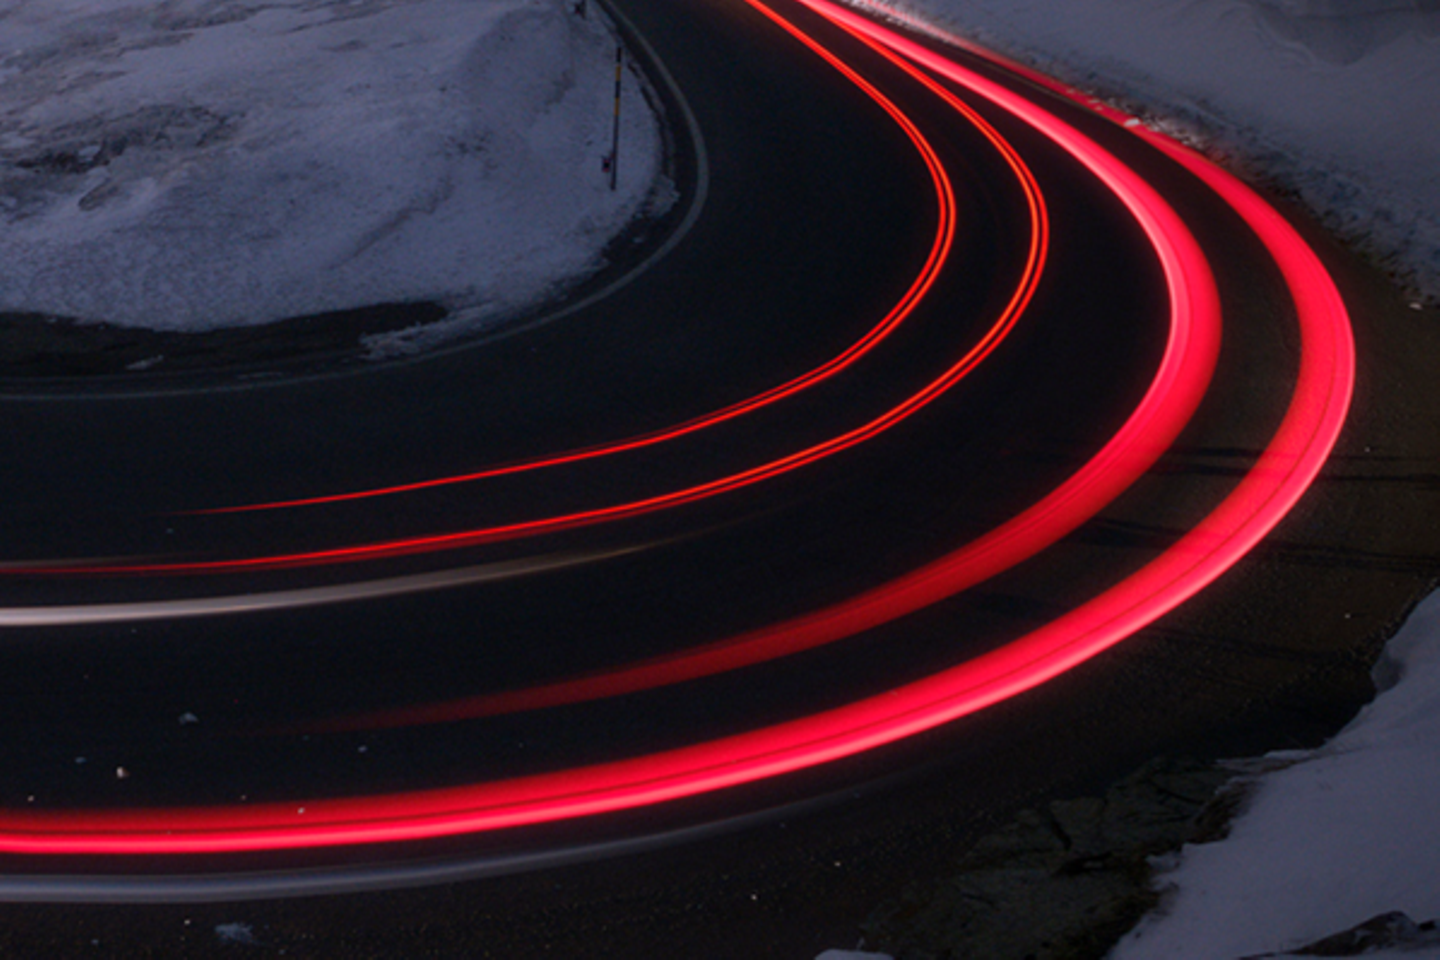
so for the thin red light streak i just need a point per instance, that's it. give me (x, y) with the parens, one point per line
(939, 253)
(990, 341)
(1309, 430)
(1179, 384)
(468, 538)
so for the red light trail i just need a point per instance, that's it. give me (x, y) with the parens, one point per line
(1287, 466)
(939, 253)
(999, 329)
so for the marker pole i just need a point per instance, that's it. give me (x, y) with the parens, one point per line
(615, 138)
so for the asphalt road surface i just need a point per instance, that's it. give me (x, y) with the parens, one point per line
(690, 621)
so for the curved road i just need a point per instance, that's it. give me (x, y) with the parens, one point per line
(955, 384)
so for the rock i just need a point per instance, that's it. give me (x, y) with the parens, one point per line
(1064, 881)
(1384, 932)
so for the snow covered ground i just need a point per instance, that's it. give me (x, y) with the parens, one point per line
(192, 164)
(1336, 99)
(1330, 839)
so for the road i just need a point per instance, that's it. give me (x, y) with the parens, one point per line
(923, 410)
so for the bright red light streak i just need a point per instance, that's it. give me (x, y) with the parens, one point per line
(1309, 430)
(1179, 384)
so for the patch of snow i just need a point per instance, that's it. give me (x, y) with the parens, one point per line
(192, 164)
(1333, 98)
(236, 933)
(1331, 837)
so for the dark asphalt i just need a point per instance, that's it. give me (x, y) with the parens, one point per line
(817, 217)
(827, 231)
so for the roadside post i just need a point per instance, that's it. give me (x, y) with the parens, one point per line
(615, 135)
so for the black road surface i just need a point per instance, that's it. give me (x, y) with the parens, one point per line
(818, 215)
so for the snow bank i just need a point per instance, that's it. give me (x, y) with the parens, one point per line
(191, 164)
(1333, 838)
(1334, 98)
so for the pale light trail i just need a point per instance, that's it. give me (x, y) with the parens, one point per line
(231, 604)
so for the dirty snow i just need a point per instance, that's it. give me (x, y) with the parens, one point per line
(1334, 99)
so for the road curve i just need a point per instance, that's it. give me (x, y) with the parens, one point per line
(827, 478)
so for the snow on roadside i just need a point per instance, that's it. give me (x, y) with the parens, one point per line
(192, 164)
(1333, 98)
(1336, 836)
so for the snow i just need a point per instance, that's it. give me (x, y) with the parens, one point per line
(1332, 838)
(1336, 99)
(241, 933)
(193, 164)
